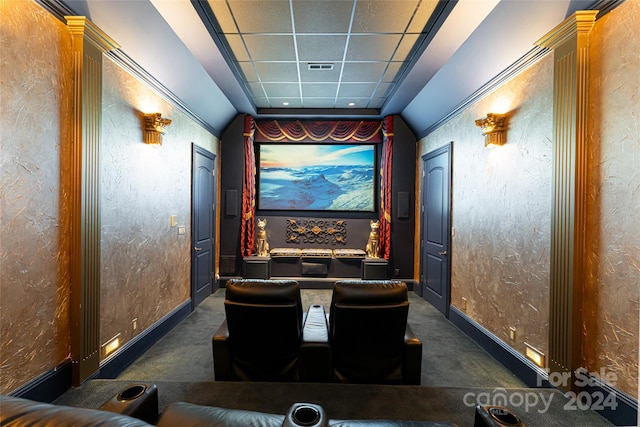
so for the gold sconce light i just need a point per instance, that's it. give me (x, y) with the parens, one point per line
(493, 128)
(154, 126)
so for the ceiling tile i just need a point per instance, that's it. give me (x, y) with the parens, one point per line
(363, 71)
(422, 16)
(321, 47)
(318, 102)
(383, 16)
(377, 102)
(405, 46)
(281, 90)
(237, 47)
(322, 90)
(382, 90)
(262, 102)
(256, 90)
(277, 71)
(223, 16)
(392, 72)
(311, 76)
(322, 17)
(292, 102)
(265, 16)
(247, 70)
(270, 47)
(356, 90)
(376, 47)
(357, 102)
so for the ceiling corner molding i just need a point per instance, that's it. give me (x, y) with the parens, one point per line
(124, 61)
(605, 6)
(56, 8)
(60, 11)
(530, 58)
(320, 113)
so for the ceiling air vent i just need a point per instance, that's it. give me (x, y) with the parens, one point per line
(316, 66)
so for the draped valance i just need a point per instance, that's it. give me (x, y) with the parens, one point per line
(318, 131)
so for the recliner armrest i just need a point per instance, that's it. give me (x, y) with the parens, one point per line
(314, 360)
(412, 357)
(222, 354)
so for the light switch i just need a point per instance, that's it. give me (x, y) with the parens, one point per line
(173, 219)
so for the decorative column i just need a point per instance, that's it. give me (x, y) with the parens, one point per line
(570, 43)
(89, 43)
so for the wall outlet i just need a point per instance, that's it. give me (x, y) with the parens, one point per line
(464, 304)
(512, 333)
(134, 324)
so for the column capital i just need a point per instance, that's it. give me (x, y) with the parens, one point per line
(80, 26)
(580, 22)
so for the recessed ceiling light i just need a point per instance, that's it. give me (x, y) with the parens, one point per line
(285, 103)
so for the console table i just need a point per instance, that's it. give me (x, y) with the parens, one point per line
(315, 265)
(256, 267)
(375, 269)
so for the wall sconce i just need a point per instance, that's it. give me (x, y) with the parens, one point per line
(154, 126)
(493, 129)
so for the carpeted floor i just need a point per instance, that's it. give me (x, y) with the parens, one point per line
(456, 376)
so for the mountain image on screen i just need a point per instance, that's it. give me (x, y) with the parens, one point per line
(333, 187)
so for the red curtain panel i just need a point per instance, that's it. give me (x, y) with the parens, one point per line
(247, 229)
(385, 187)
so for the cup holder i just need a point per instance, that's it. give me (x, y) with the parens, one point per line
(305, 415)
(131, 393)
(504, 416)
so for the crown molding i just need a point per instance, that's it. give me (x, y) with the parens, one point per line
(62, 12)
(530, 58)
(129, 65)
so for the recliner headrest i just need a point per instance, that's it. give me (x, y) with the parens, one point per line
(263, 291)
(373, 292)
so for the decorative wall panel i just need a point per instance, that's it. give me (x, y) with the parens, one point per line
(501, 209)
(612, 279)
(34, 202)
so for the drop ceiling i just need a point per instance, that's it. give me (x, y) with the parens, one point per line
(420, 59)
(320, 54)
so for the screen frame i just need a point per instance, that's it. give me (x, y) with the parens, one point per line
(376, 178)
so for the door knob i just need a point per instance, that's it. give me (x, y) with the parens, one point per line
(443, 253)
(197, 249)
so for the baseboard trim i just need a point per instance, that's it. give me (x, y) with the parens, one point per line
(523, 368)
(48, 386)
(623, 411)
(53, 383)
(613, 404)
(112, 366)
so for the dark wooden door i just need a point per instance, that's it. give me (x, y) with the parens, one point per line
(436, 228)
(203, 224)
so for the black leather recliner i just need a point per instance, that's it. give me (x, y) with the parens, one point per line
(370, 339)
(260, 338)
